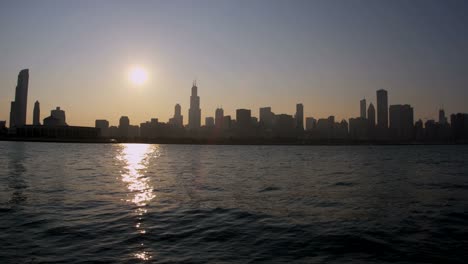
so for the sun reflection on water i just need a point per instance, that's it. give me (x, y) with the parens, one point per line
(136, 159)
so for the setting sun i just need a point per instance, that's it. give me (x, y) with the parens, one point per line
(138, 75)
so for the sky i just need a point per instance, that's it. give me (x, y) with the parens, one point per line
(327, 55)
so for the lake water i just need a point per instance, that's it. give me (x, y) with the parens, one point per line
(131, 203)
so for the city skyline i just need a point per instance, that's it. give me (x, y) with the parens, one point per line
(323, 55)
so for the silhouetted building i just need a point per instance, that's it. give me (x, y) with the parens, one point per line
(227, 122)
(371, 115)
(299, 117)
(194, 111)
(442, 117)
(254, 121)
(310, 123)
(12, 114)
(459, 124)
(103, 126)
(430, 130)
(244, 119)
(401, 122)
(59, 114)
(419, 130)
(18, 110)
(266, 117)
(56, 118)
(124, 126)
(57, 132)
(36, 114)
(3, 128)
(285, 126)
(340, 130)
(209, 122)
(363, 108)
(178, 119)
(219, 118)
(382, 109)
(358, 128)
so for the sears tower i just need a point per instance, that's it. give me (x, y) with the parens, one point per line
(18, 107)
(194, 111)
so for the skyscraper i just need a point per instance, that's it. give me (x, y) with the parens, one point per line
(363, 108)
(299, 117)
(209, 121)
(371, 116)
(178, 119)
(18, 110)
(219, 117)
(310, 123)
(382, 109)
(12, 114)
(243, 118)
(194, 111)
(266, 117)
(442, 117)
(124, 126)
(36, 114)
(401, 121)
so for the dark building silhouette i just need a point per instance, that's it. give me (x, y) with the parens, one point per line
(459, 124)
(299, 117)
(124, 126)
(419, 130)
(285, 126)
(178, 119)
(382, 109)
(310, 123)
(219, 118)
(442, 117)
(371, 116)
(401, 122)
(267, 117)
(194, 111)
(19, 106)
(227, 122)
(12, 114)
(358, 128)
(209, 122)
(56, 118)
(59, 114)
(244, 119)
(363, 108)
(103, 126)
(36, 114)
(3, 128)
(57, 132)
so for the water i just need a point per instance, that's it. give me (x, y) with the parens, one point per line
(130, 203)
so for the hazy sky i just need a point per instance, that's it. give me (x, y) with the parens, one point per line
(245, 54)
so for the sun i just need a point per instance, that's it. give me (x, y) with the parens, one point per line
(138, 75)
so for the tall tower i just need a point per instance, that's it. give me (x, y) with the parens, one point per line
(382, 109)
(363, 108)
(36, 114)
(194, 111)
(219, 117)
(300, 116)
(442, 118)
(371, 116)
(18, 110)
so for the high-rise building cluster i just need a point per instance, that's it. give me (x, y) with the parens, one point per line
(53, 126)
(383, 123)
(393, 123)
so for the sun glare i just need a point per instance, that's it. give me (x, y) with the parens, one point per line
(138, 76)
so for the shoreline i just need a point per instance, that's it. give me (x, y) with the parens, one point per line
(235, 142)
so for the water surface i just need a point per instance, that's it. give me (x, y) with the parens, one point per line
(131, 203)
